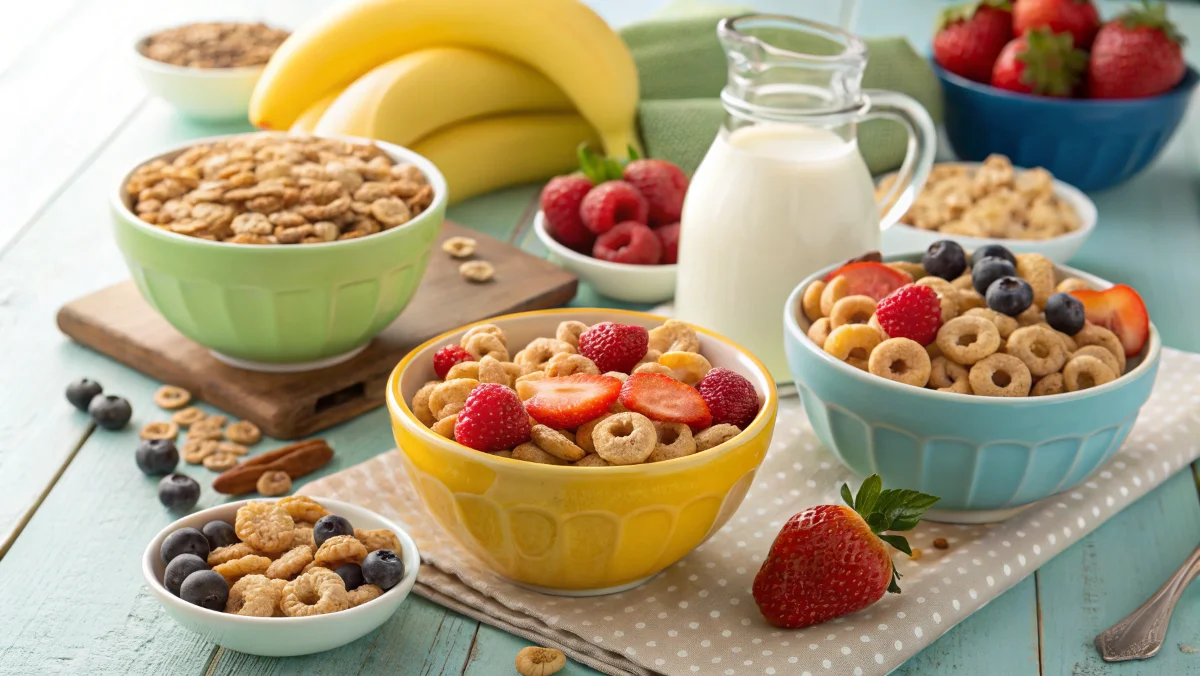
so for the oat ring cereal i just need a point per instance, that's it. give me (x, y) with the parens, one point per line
(243, 432)
(688, 367)
(488, 344)
(966, 340)
(819, 331)
(811, 301)
(555, 443)
(583, 435)
(463, 369)
(592, 460)
(254, 596)
(449, 394)
(264, 526)
(948, 376)
(160, 430)
(1005, 324)
(655, 367)
(625, 438)
(852, 310)
(674, 336)
(194, 451)
(563, 364)
(1099, 353)
(291, 563)
(484, 328)
(1038, 271)
(568, 332)
(490, 370)
(338, 550)
(1071, 284)
(873, 322)
(186, 417)
(171, 397)
(674, 441)
(420, 403)
(1092, 334)
(1085, 371)
(651, 357)
(715, 436)
(835, 290)
(445, 426)
(1051, 384)
(853, 344)
(316, 592)
(937, 284)
(531, 452)
(1000, 375)
(1039, 348)
(900, 359)
(539, 351)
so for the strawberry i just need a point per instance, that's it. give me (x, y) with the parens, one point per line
(492, 419)
(668, 236)
(447, 357)
(631, 243)
(730, 397)
(868, 278)
(1077, 17)
(1140, 53)
(665, 399)
(560, 204)
(1121, 310)
(614, 347)
(970, 37)
(662, 184)
(912, 312)
(610, 203)
(830, 560)
(569, 401)
(1040, 62)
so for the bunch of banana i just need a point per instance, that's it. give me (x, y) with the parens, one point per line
(494, 92)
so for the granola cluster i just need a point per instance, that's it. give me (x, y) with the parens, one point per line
(269, 188)
(214, 45)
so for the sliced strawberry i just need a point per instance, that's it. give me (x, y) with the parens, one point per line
(665, 399)
(870, 279)
(1121, 310)
(569, 401)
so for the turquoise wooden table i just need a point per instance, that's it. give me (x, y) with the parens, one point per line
(75, 513)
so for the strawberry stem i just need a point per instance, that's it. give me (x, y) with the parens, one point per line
(1152, 15)
(889, 510)
(1052, 64)
(966, 11)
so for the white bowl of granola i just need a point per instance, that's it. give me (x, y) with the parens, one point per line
(979, 203)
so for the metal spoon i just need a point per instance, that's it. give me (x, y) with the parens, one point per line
(1141, 634)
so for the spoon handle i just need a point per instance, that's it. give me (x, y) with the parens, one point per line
(1141, 634)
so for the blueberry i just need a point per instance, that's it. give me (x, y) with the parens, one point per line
(156, 457)
(330, 526)
(992, 251)
(351, 574)
(988, 270)
(81, 392)
(382, 567)
(184, 541)
(945, 258)
(178, 492)
(1010, 296)
(1065, 313)
(110, 411)
(205, 588)
(220, 534)
(178, 570)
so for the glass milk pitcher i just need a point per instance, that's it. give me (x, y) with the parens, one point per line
(783, 190)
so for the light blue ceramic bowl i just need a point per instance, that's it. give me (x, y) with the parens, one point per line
(986, 457)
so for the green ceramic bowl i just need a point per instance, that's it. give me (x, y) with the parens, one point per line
(282, 307)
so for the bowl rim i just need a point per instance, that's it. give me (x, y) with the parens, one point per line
(1152, 350)
(410, 556)
(397, 153)
(401, 411)
(1183, 88)
(232, 72)
(558, 249)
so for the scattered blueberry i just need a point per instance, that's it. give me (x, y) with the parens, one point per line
(110, 411)
(1010, 296)
(945, 258)
(205, 588)
(330, 526)
(179, 569)
(992, 251)
(178, 492)
(987, 270)
(184, 541)
(81, 392)
(1065, 313)
(220, 534)
(156, 457)
(382, 567)
(351, 574)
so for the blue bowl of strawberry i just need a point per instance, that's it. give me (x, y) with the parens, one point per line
(1050, 84)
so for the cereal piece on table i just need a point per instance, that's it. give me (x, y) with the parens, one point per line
(219, 461)
(569, 364)
(340, 549)
(540, 351)
(556, 443)
(243, 432)
(303, 508)
(316, 592)
(160, 430)
(569, 331)
(945, 374)
(1071, 284)
(1099, 353)
(675, 440)
(234, 551)
(835, 290)
(1000, 375)
(853, 343)
(211, 428)
(291, 563)
(811, 301)
(459, 247)
(186, 417)
(1004, 324)
(531, 452)
(491, 329)
(254, 596)
(625, 438)
(363, 593)
(967, 340)
(1085, 371)
(231, 447)
(900, 359)
(592, 460)
(379, 538)
(265, 526)
(583, 435)
(655, 367)
(819, 331)
(445, 426)
(1091, 334)
(172, 397)
(194, 451)
(852, 310)
(1051, 384)
(535, 661)
(420, 401)
(273, 483)
(1039, 272)
(941, 543)
(477, 272)
(687, 367)
(488, 344)
(236, 569)
(674, 336)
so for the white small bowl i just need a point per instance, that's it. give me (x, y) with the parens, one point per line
(900, 238)
(630, 283)
(201, 93)
(282, 636)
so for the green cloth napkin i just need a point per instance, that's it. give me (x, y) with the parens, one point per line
(681, 68)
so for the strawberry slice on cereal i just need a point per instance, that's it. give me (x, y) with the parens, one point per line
(569, 401)
(1121, 310)
(868, 278)
(664, 399)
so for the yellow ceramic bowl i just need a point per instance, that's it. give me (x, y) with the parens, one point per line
(578, 530)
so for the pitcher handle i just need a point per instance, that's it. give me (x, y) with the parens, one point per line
(918, 158)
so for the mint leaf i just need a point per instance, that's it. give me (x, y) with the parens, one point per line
(848, 496)
(868, 494)
(897, 541)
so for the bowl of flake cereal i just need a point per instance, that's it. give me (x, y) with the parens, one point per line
(990, 202)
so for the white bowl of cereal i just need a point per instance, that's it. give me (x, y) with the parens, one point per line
(273, 607)
(980, 203)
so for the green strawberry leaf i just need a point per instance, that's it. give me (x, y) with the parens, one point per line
(893, 587)
(1052, 64)
(847, 496)
(897, 541)
(1152, 16)
(632, 152)
(904, 508)
(868, 493)
(889, 510)
(966, 11)
(877, 521)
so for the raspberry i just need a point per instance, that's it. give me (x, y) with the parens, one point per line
(668, 235)
(911, 312)
(610, 203)
(630, 243)
(492, 419)
(662, 184)
(447, 357)
(614, 347)
(730, 397)
(561, 199)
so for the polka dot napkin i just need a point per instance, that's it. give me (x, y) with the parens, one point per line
(698, 616)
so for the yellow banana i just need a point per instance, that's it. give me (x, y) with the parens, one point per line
(563, 39)
(479, 156)
(410, 96)
(307, 122)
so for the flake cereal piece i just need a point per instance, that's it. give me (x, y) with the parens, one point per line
(303, 508)
(338, 550)
(265, 526)
(236, 569)
(380, 538)
(291, 563)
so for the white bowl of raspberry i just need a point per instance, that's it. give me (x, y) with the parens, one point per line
(621, 281)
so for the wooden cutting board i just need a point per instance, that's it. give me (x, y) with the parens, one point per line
(117, 322)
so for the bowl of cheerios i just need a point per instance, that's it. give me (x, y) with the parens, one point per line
(990, 202)
(988, 378)
(581, 451)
